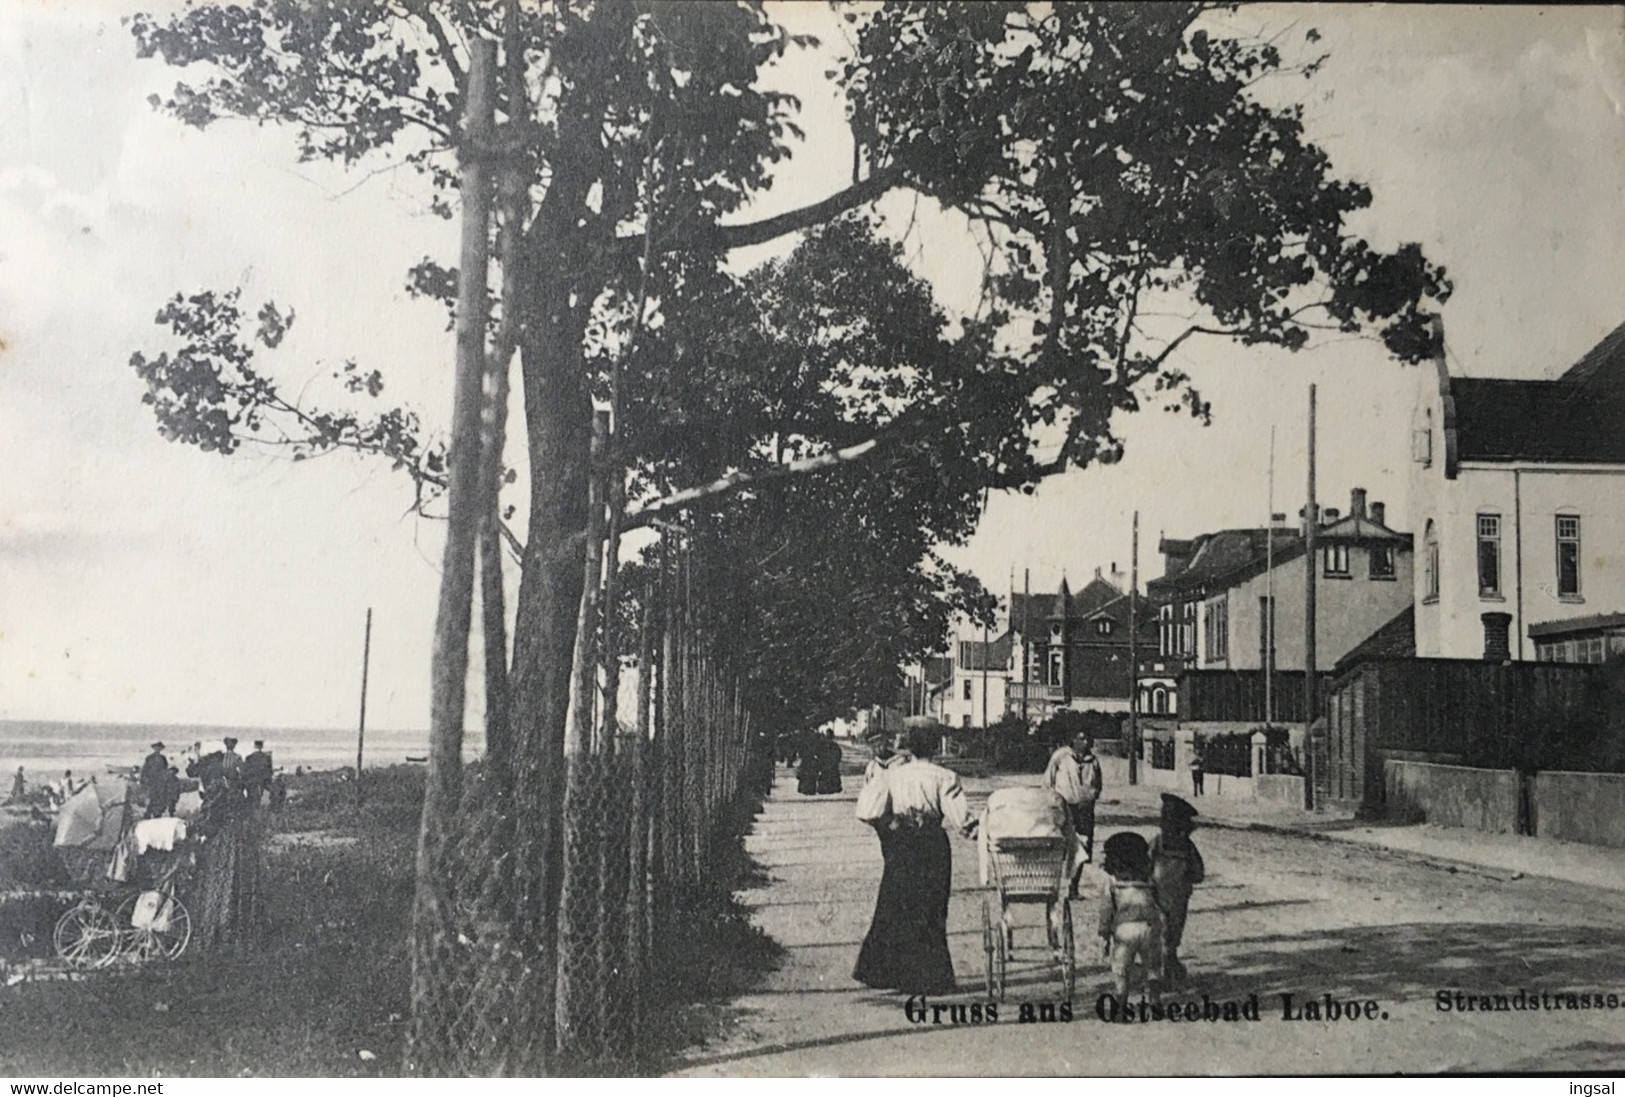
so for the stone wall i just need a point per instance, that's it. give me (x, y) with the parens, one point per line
(1581, 807)
(1452, 796)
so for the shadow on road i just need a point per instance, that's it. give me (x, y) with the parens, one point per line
(1415, 960)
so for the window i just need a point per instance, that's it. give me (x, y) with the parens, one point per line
(1568, 556)
(1187, 630)
(1489, 555)
(965, 691)
(1422, 445)
(1159, 701)
(1430, 543)
(1337, 560)
(1103, 627)
(964, 720)
(1266, 630)
(1216, 631)
(1056, 656)
(1382, 561)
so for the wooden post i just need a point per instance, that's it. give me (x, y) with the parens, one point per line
(449, 663)
(361, 728)
(1311, 524)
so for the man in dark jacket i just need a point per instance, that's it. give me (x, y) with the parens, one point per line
(154, 776)
(256, 774)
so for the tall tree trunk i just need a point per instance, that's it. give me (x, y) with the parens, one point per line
(559, 418)
(433, 1001)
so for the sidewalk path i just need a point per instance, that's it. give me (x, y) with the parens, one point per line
(1510, 855)
(1281, 912)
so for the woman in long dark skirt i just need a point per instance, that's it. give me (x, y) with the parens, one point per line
(810, 762)
(829, 765)
(907, 945)
(230, 896)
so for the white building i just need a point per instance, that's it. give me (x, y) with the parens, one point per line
(1518, 500)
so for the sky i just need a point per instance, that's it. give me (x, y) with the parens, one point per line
(146, 581)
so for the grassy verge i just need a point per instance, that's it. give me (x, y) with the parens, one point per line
(331, 981)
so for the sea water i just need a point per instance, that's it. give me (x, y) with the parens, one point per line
(45, 748)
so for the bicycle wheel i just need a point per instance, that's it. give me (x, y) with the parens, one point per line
(87, 936)
(152, 942)
(1069, 969)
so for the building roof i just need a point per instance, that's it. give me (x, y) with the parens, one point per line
(1218, 561)
(1039, 608)
(1225, 557)
(1577, 417)
(938, 669)
(1396, 639)
(1588, 623)
(993, 655)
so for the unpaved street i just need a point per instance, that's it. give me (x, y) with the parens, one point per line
(1280, 913)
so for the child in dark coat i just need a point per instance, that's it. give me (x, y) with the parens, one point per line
(1176, 868)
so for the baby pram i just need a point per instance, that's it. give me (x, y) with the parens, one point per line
(1027, 846)
(128, 906)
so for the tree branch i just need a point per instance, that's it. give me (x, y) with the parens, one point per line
(727, 237)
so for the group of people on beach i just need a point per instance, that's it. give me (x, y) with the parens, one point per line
(251, 778)
(909, 800)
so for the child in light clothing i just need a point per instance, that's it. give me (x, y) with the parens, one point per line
(1176, 868)
(1131, 917)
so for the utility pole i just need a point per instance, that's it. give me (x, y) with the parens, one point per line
(1026, 639)
(984, 675)
(1134, 657)
(1311, 525)
(361, 729)
(1269, 595)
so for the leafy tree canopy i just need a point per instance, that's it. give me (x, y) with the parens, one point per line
(1110, 158)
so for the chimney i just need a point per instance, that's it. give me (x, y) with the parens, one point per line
(1329, 516)
(1379, 514)
(1497, 647)
(1357, 503)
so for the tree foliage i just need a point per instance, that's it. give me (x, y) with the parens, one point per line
(1113, 161)
(1113, 155)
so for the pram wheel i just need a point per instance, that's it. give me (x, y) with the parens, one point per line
(87, 936)
(996, 948)
(987, 945)
(166, 938)
(1069, 971)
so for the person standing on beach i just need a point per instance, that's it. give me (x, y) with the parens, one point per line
(154, 778)
(257, 770)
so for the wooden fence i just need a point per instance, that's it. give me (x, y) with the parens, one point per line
(1454, 711)
(1238, 696)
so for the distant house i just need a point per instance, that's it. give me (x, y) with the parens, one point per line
(1075, 648)
(1518, 491)
(1226, 599)
(935, 677)
(974, 694)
